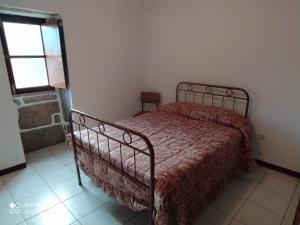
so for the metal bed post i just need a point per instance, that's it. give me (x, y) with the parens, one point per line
(74, 148)
(152, 182)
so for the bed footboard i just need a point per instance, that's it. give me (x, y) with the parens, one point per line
(82, 124)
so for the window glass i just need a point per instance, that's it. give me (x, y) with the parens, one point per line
(23, 39)
(29, 72)
(51, 40)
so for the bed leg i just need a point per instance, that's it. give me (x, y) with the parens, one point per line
(74, 145)
(78, 174)
(151, 220)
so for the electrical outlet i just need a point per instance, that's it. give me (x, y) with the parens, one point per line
(261, 137)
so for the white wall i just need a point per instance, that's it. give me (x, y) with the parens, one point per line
(253, 44)
(11, 150)
(104, 41)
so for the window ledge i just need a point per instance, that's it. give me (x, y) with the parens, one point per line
(34, 93)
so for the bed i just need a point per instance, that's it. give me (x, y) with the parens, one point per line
(178, 156)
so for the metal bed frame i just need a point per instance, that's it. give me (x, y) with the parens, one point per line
(206, 94)
(214, 95)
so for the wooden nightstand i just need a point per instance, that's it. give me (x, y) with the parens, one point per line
(148, 97)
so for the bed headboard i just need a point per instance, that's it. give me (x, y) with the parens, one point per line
(233, 98)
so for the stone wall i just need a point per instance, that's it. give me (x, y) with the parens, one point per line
(42, 118)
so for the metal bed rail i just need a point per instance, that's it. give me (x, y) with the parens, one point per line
(232, 98)
(84, 124)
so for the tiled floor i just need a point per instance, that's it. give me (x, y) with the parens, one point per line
(46, 192)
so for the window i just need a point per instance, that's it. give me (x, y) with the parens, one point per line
(33, 53)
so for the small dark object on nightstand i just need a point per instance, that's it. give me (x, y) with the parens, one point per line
(148, 97)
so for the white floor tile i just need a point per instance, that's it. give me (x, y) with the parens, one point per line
(76, 223)
(86, 179)
(53, 163)
(43, 160)
(59, 147)
(236, 222)
(252, 214)
(278, 185)
(18, 176)
(67, 188)
(34, 177)
(38, 203)
(97, 191)
(58, 215)
(89, 185)
(5, 197)
(228, 203)
(282, 176)
(39, 156)
(104, 216)
(30, 186)
(288, 221)
(255, 176)
(210, 215)
(268, 193)
(84, 203)
(63, 152)
(122, 209)
(291, 211)
(10, 216)
(56, 175)
(240, 187)
(72, 167)
(270, 200)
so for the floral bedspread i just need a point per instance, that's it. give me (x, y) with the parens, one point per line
(196, 147)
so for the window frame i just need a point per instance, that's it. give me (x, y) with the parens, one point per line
(24, 20)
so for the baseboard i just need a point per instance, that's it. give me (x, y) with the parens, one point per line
(278, 168)
(12, 169)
